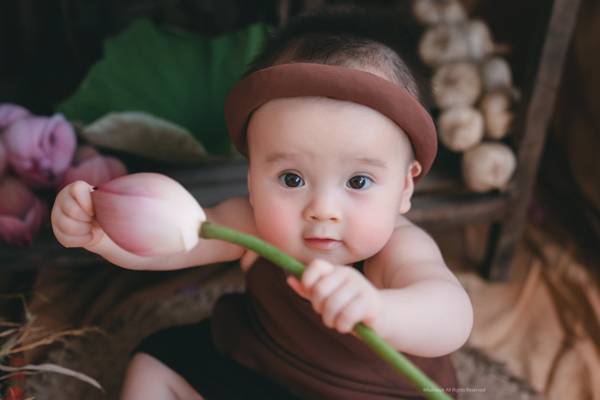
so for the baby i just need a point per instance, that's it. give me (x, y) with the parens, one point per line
(329, 116)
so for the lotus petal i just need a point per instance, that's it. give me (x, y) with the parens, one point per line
(148, 214)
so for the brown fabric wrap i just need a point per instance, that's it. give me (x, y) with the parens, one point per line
(340, 83)
(275, 332)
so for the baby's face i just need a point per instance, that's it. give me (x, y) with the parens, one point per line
(327, 178)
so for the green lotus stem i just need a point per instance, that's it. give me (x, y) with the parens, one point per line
(398, 361)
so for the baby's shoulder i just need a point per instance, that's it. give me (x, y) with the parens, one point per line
(235, 213)
(405, 230)
(410, 243)
(409, 247)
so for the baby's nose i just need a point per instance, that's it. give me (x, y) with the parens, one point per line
(323, 207)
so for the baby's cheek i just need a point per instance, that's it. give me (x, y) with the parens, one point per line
(373, 232)
(274, 224)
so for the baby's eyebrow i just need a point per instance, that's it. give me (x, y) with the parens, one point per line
(278, 156)
(374, 162)
(274, 157)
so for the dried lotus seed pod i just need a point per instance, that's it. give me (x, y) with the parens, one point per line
(495, 72)
(496, 107)
(433, 12)
(456, 84)
(460, 128)
(488, 166)
(479, 39)
(443, 43)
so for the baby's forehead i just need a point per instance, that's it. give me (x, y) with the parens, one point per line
(285, 113)
(324, 108)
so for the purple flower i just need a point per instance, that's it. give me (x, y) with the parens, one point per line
(40, 149)
(10, 113)
(3, 160)
(90, 166)
(21, 213)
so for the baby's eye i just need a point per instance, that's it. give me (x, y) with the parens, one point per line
(291, 180)
(359, 182)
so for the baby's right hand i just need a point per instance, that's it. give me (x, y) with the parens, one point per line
(72, 216)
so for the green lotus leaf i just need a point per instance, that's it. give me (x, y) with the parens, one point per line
(178, 77)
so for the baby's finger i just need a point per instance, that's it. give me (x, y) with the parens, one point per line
(336, 304)
(297, 286)
(71, 209)
(81, 192)
(76, 241)
(323, 289)
(70, 240)
(73, 227)
(314, 271)
(353, 313)
(97, 235)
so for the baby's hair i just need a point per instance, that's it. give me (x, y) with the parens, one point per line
(350, 38)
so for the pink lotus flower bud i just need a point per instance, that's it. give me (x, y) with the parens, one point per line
(40, 149)
(90, 166)
(10, 113)
(21, 213)
(148, 214)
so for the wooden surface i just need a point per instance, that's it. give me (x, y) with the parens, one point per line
(533, 122)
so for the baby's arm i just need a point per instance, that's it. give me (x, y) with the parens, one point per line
(427, 312)
(410, 297)
(74, 225)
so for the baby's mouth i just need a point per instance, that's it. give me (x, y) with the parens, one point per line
(322, 243)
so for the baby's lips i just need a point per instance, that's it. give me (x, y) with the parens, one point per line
(322, 243)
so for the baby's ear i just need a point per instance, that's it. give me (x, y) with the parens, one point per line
(409, 186)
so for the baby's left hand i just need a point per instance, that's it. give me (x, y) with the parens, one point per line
(342, 295)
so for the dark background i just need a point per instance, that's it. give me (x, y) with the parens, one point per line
(47, 46)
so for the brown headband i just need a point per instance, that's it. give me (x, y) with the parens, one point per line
(340, 83)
